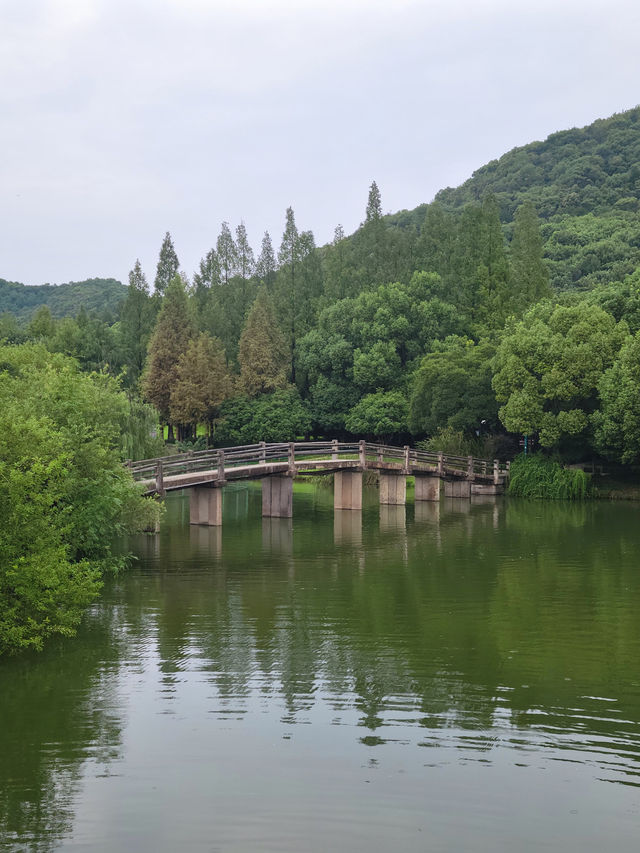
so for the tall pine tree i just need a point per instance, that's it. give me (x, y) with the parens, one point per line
(136, 324)
(203, 383)
(262, 353)
(169, 341)
(227, 253)
(266, 266)
(529, 275)
(168, 265)
(246, 261)
(288, 283)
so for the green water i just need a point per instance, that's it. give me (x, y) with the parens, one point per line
(462, 677)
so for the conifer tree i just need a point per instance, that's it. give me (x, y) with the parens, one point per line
(289, 258)
(227, 253)
(169, 341)
(373, 211)
(136, 323)
(168, 265)
(203, 383)
(246, 260)
(262, 352)
(370, 241)
(494, 273)
(207, 277)
(529, 275)
(266, 266)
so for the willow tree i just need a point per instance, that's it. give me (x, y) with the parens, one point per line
(169, 341)
(262, 352)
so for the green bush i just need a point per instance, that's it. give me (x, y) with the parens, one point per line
(541, 479)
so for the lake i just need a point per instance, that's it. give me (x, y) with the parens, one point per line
(445, 677)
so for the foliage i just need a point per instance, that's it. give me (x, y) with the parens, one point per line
(617, 422)
(64, 496)
(452, 388)
(382, 415)
(454, 442)
(585, 184)
(262, 351)
(281, 416)
(542, 479)
(202, 382)
(168, 265)
(170, 339)
(137, 317)
(102, 295)
(547, 368)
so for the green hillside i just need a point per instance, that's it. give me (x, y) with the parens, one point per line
(102, 295)
(585, 186)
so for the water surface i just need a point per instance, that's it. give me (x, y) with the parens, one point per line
(462, 676)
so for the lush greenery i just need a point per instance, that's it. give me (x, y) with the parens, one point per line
(65, 492)
(505, 308)
(102, 295)
(543, 479)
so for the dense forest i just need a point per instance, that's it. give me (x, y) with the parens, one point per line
(508, 307)
(101, 295)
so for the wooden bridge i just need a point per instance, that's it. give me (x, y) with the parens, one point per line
(206, 472)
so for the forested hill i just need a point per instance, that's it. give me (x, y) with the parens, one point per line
(584, 184)
(102, 295)
(590, 169)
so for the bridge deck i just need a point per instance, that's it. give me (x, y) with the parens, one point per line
(218, 467)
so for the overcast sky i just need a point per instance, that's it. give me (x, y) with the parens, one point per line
(123, 119)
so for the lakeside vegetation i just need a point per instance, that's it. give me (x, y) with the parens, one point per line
(509, 307)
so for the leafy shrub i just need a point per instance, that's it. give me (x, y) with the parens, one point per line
(541, 479)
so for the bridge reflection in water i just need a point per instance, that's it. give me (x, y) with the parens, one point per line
(205, 475)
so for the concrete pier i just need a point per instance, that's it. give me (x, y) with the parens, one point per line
(347, 527)
(347, 490)
(205, 506)
(277, 497)
(427, 488)
(457, 489)
(393, 489)
(393, 517)
(277, 535)
(487, 489)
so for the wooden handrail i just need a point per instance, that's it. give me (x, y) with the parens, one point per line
(364, 454)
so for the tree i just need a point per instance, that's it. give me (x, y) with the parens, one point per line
(65, 493)
(136, 324)
(452, 388)
(281, 416)
(169, 341)
(548, 367)
(246, 260)
(382, 416)
(266, 265)
(370, 240)
(373, 212)
(529, 275)
(203, 383)
(227, 253)
(207, 278)
(168, 265)
(617, 422)
(262, 352)
(289, 258)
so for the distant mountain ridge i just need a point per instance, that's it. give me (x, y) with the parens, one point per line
(102, 295)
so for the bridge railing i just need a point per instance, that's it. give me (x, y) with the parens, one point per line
(221, 460)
